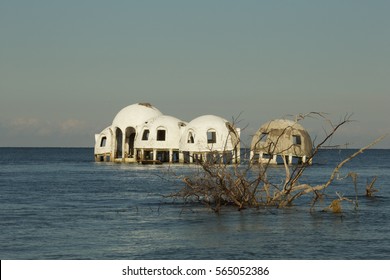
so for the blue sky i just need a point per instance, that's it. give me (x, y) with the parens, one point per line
(67, 67)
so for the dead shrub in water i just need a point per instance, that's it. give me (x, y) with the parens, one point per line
(335, 206)
(370, 190)
(251, 186)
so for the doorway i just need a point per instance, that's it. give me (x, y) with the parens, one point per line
(118, 143)
(130, 137)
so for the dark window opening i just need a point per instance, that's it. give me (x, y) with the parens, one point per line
(198, 158)
(118, 139)
(227, 158)
(148, 155)
(211, 137)
(103, 142)
(163, 156)
(267, 156)
(190, 138)
(186, 157)
(212, 158)
(263, 137)
(175, 156)
(279, 159)
(145, 135)
(297, 140)
(161, 135)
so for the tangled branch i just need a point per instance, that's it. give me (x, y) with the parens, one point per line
(250, 187)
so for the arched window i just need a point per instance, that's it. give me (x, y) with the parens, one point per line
(211, 136)
(145, 135)
(103, 141)
(190, 138)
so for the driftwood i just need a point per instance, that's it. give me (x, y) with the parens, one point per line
(305, 188)
(370, 190)
(221, 184)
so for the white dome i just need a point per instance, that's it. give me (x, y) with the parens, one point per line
(135, 115)
(207, 133)
(148, 137)
(208, 121)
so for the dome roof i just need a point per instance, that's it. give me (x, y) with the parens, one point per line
(281, 124)
(166, 121)
(173, 127)
(282, 136)
(207, 122)
(135, 115)
(196, 134)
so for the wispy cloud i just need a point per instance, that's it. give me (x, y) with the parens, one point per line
(32, 131)
(28, 125)
(72, 125)
(22, 123)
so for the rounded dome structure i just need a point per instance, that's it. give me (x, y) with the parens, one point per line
(209, 133)
(162, 132)
(282, 137)
(141, 133)
(125, 127)
(134, 115)
(103, 142)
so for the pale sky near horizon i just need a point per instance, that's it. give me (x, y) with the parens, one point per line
(67, 67)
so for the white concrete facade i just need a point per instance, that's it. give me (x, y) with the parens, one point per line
(141, 133)
(211, 138)
(159, 139)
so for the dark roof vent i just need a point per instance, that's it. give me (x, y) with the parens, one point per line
(146, 105)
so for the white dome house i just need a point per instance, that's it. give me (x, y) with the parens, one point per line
(141, 133)
(210, 138)
(126, 125)
(123, 131)
(159, 139)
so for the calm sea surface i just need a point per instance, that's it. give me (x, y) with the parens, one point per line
(59, 204)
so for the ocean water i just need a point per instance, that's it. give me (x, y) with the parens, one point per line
(57, 203)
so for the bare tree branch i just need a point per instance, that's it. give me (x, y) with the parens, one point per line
(221, 184)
